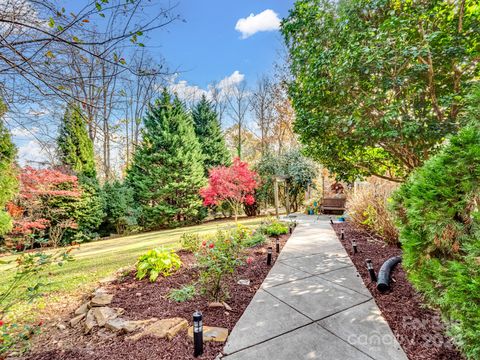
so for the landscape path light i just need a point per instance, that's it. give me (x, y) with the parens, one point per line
(197, 333)
(371, 271)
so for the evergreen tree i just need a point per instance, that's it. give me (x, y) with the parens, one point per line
(8, 179)
(121, 213)
(76, 152)
(167, 171)
(209, 134)
(74, 145)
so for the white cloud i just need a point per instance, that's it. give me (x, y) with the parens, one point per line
(187, 92)
(267, 20)
(24, 132)
(193, 93)
(234, 79)
(31, 152)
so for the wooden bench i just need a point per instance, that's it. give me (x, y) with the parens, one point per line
(333, 204)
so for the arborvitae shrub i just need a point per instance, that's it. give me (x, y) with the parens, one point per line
(438, 212)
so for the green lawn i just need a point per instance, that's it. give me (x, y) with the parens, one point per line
(96, 260)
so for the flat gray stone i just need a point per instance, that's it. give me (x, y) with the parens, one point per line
(318, 263)
(316, 297)
(349, 278)
(265, 318)
(307, 343)
(364, 327)
(281, 274)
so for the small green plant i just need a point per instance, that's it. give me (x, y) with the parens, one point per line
(217, 259)
(190, 242)
(257, 238)
(185, 293)
(158, 262)
(276, 229)
(15, 337)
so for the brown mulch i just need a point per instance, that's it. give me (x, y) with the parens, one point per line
(418, 329)
(143, 300)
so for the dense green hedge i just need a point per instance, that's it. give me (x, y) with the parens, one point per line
(438, 212)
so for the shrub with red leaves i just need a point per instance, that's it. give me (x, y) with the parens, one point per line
(44, 205)
(234, 185)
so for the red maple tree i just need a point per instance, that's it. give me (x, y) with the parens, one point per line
(43, 204)
(234, 185)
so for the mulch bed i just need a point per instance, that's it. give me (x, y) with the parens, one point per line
(418, 329)
(144, 300)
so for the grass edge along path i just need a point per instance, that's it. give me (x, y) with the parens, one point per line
(93, 261)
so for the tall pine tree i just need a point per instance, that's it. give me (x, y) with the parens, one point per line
(209, 134)
(8, 179)
(74, 146)
(167, 171)
(77, 153)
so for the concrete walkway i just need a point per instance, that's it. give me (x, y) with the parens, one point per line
(313, 305)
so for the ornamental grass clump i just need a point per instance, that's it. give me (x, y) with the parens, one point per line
(438, 212)
(217, 259)
(157, 262)
(368, 208)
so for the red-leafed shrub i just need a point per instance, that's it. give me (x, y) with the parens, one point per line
(234, 185)
(44, 206)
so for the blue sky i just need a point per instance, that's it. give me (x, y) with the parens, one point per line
(206, 47)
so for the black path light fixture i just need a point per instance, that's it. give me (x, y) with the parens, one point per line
(331, 220)
(354, 246)
(197, 333)
(277, 245)
(371, 270)
(342, 232)
(269, 256)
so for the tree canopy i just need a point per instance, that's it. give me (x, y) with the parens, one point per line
(299, 173)
(234, 185)
(377, 85)
(167, 170)
(8, 180)
(74, 146)
(209, 134)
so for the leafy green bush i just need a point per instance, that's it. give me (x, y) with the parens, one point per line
(183, 294)
(257, 238)
(158, 262)
(217, 259)
(276, 229)
(120, 210)
(438, 212)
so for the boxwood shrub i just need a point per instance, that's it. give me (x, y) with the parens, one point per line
(438, 213)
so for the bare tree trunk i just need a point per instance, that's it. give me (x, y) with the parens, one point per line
(239, 101)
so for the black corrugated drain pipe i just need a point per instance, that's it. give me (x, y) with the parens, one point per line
(383, 282)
